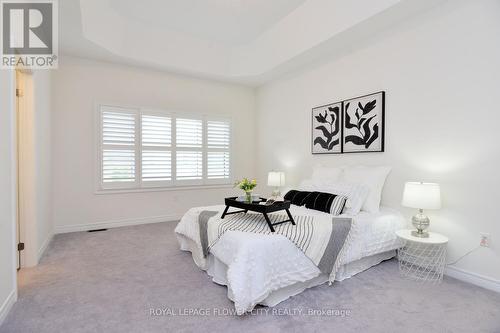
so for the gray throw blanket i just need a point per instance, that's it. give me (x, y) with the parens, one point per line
(321, 238)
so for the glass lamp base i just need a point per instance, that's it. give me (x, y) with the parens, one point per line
(420, 222)
(420, 233)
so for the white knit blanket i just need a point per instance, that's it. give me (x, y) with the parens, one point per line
(320, 238)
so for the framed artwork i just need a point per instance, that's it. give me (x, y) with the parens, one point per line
(363, 123)
(326, 129)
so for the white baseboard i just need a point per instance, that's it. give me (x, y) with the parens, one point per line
(7, 305)
(473, 278)
(44, 246)
(61, 229)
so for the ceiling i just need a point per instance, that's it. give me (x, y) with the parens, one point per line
(231, 22)
(244, 41)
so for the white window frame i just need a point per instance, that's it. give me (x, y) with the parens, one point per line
(138, 185)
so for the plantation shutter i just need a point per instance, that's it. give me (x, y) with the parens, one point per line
(142, 148)
(218, 149)
(118, 141)
(189, 151)
(156, 152)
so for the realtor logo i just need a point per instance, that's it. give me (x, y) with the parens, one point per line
(29, 34)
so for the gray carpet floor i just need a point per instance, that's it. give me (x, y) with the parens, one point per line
(111, 281)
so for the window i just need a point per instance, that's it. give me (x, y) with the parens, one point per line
(118, 146)
(156, 152)
(142, 148)
(189, 154)
(218, 140)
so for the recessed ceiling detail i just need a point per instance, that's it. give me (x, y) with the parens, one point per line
(229, 22)
(248, 41)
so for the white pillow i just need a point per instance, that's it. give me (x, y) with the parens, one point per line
(326, 174)
(373, 178)
(356, 193)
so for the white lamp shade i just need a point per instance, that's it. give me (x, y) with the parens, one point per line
(276, 178)
(422, 195)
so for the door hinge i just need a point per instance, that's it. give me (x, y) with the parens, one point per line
(20, 246)
(19, 92)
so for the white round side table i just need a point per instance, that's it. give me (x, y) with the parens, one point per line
(422, 259)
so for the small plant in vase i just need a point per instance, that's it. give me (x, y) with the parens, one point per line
(247, 186)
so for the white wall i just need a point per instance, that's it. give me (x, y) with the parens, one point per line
(78, 84)
(441, 72)
(7, 198)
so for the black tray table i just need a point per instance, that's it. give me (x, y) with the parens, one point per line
(258, 208)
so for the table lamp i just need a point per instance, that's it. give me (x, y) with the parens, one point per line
(276, 179)
(421, 196)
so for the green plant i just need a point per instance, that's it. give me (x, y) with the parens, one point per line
(245, 184)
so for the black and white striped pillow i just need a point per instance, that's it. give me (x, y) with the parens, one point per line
(297, 198)
(326, 202)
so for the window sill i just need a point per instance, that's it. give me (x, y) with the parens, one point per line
(161, 189)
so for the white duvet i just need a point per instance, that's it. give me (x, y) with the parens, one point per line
(260, 264)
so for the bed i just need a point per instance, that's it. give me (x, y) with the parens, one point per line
(268, 269)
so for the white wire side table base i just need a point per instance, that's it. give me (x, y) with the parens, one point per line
(422, 261)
